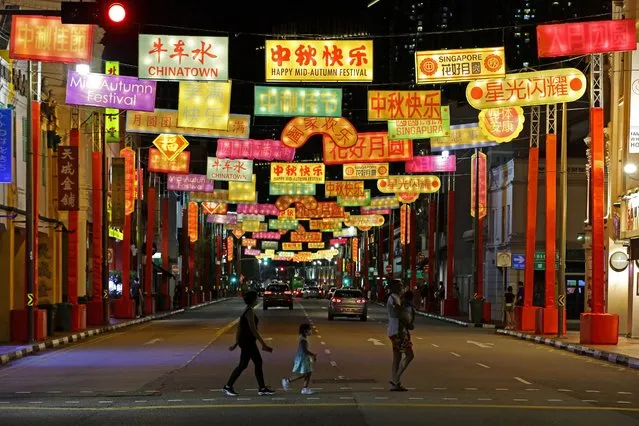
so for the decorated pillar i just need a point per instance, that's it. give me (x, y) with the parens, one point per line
(412, 243)
(149, 305)
(166, 299)
(451, 304)
(95, 306)
(432, 212)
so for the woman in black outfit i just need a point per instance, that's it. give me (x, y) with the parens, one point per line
(246, 338)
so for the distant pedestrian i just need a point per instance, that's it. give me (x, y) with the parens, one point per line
(394, 308)
(303, 362)
(509, 307)
(246, 338)
(519, 301)
(406, 324)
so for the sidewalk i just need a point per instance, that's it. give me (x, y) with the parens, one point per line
(10, 353)
(460, 321)
(625, 353)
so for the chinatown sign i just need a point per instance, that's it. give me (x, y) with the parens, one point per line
(443, 66)
(204, 105)
(297, 173)
(319, 60)
(169, 57)
(297, 101)
(170, 145)
(339, 130)
(189, 183)
(229, 170)
(422, 184)
(371, 147)
(364, 171)
(165, 121)
(527, 89)
(386, 105)
(501, 124)
(420, 129)
(110, 91)
(254, 149)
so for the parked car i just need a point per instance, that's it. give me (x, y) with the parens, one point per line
(312, 293)
(278, 295)
(348, 303)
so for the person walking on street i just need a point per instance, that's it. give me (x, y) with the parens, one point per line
(246, 338)
(509, 307)
(303, 362)
(406, 324)
(394, 308)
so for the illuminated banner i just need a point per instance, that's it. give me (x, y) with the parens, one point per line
(423, 184)
(501, 124)
(371, 210)
(283, 224)
(249, 242)
(386, 105)
(129, 179)
(254, 149)
(118, 197)
(291, 246)
(171, 57)
(325, 224)
(364, 171)
(527, 88)
(297, 102)
(189, 183)
(319, 60)
(110, 91)
(242, 192)
(315, 245)
(371, 147)
(482, 184)
(340, 188)
(230, 248)
(165, 121)
(215, 196)
(193, 213)
(6, 146)
(170, 145)
(362, 200)
(363, 221)
(339, 130)
(250, 217)
(633, 134)
(262, 235)
(261, 209)
(441, 66)
(462, 136)
(586, 38)
(111, 115)
(47, 39)
(324, 210)
(252, 252)
(297, 173)
(159, 164)
(270, 245)
(345, 233)
(68, 178)
(420, 129)
(222, 219)
(292, 188)
(283, 202)
(388, 202)
(204, 105)
(214, 207)
(337, 242)
(288, 214)
(432, 164)
(306, 237)
(229, 170)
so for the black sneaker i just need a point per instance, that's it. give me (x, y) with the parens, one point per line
(229, 391)
(265, 391)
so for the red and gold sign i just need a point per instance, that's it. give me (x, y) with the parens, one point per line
(47, 39)
(217, 195)
(68, 178)
(501, 124)
(339, 130)
(404, 224)
(249, 242)
(306, 237)
(440, 66)
(365, 171)
(288, 214)
(297, 173)
(315, 245)
(407, 197)
(366, 220)
(355, 249)
(129, 179)
(386, 105)
(238, 233)
(528, 88)
(324, 210)
(423, 184)
(193, 215)
(158, 163)
(325, 224)
(291, 246)
(214, 207)
(482, 184)
(285, 201)
(371, 147)
(230, 245)
(170, 145)
(341, 188)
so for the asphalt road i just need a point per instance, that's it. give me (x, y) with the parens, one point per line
(171, 372)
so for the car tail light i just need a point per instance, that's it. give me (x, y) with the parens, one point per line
(334, 300)
(361, 301)
(267, 292)
(287, 292)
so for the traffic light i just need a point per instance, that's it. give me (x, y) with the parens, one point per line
(109, 14)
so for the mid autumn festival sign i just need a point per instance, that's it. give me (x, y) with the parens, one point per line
(110, 91)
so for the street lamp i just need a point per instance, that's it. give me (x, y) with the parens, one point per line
(630, 168)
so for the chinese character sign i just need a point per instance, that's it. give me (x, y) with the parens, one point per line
(129, 179)
(371, 147)
(6, 143)
(242, 192)
(159, 164)
(287, 214)
(419, 184)
(249, 242)
(170, 145)
(229, 170)
(204, 105)
(501, 124)
(262, 235)
(166, 121)
(355, 201)
(217, 196)
(342, 188)
(441, 66)
(315, 245)
(297, 173)
(386, 105)
(364, 171)
(272, 245)
(420, 129)
(47, 39)
(254, 149)
(283, 224)
(586, 38)
(297, 102)
(111, 115)
(323, 210)
(68, 179)
(189, 183)
(193, 213)
(306, 237)
(526, 89)
(366, 220)
(214, 207)
(462, 136)
(325, 225)
(482, 184)
(229, 248)
(285, 201)
(319, 60)
(261, 209)
(291, 246)
(118, 190)
(432, 164)
(110, 91)
(339, 130)
(169, 57)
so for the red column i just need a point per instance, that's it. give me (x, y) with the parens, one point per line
(413, 248)
(451, 304)
(95, 307)
(480, 260)
(72, 240)
(148, 264)
(184, 248)
(218, 261)
(365, 264)
(380, 263)
(126, 259)
(432, 212)
(192, 268)
(597, 327)
(391, 245)
(165, 253)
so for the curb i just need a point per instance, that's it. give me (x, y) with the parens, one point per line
(612, 357)
(54, 343)
(449, 320)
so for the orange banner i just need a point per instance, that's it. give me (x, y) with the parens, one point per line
(158, 163)
(324, 210)
(371, 147)
(339, 130)
(482, 184)
(283, 202)
(306, 237)
(214, 207)
(249, 242)
(291, 246)
(531, 225)
(193, 221)
(551, 218)
(386, 105)
(129, 180)
(597, 183)
(229, 248)
(340, 188)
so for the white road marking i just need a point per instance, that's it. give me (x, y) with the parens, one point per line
(377, 388)
(345, 388)
(532, 390)
(333, 363)
(440, 389)
(455, 354)
(327, 351)
(123, 391)
(624, 393)
(564, 390)
(470, 389)
(416, 398)
(251, 389)
(312, 398)
(278, 399)
(107, 402)
(376, 342)
(54, 391)
(154, 391)
(592, 391)
(434, 345)
(153, 341)
(87, 391)
(346, 397)
(482, 365)
(244, 399)
(555, 400)
(187, 390)
(519, 379)
(449, 399)
(624, 402)
(140, 401)
(174, 400)
(23, 393)
(484, 399)
(501, 389)
(421, 338)
(40, 402)
(480, 345)
(71, 402)
(208, 399)
(381, 397)
(215, 390)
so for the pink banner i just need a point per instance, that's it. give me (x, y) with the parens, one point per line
(338, 242)
(221, 218)
(431, 163)
(367, 210)
(266, 235)
(263, 209)
(254, 149)
(189, 183)
(252, 252)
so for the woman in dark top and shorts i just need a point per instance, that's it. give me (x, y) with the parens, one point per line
(246, 338)
(509, 299)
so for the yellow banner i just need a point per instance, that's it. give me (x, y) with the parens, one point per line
(242, 192)
(441, 66)
(297, 173)
(502, 124)
(364, 220)
(315, 245)
(386, 105)
(341, 188)
(204, 105)
(463, 136)
(288, 214)
(291, 246)
(411, 184)
(325, 224)
(166, 121)
(319, 60)
(364, 171)
(217, 195)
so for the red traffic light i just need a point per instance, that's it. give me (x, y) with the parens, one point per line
(116, 12)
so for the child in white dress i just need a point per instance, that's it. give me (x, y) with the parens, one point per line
(302, 364)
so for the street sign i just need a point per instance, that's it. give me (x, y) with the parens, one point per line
(562, 300)
(170, 145)
(105, 294)
(30, 299)
(518, 261)
(504, 259)
(540, 261)
(389, 269)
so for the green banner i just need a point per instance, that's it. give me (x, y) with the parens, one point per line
(420, 129)
(278, 225)
(111, 115)
(355, 201)
(292, 189)
(297, 102)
